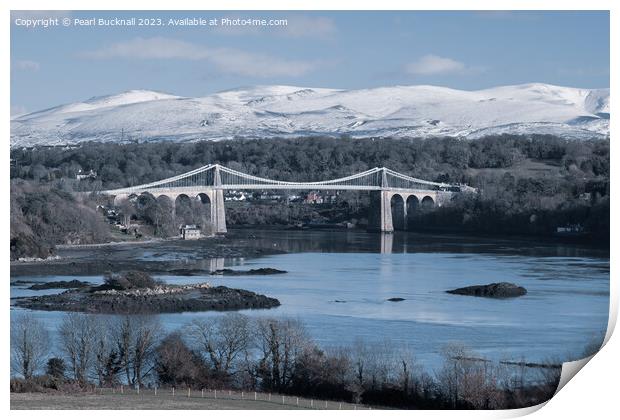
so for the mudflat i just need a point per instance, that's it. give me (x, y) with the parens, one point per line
(158, 257)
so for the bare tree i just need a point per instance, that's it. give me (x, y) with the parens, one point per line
(451, 372)
(223, 341)
(360, 356)
(281, 343)
(122, 336)
(468, 379)
(135, 339)
(107, 363)
(146, 338)
(78, 334)
(377, 360)
(479, 384)
(405, 359)
(29, 345)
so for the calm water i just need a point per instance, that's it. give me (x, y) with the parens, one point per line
(566, 306)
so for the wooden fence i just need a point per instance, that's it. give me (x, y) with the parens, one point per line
(223, 394)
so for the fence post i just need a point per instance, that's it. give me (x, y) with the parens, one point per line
(215, 393)
(155, 389)
(189, 392)
(270, 396)
(121, 388)
(254, 395)
(282, 399)
(325, 404)
(339, 406)
(297, 400)
(241, 394)
(202, 393)
(311, 403)
(138, 389)
(173, 391)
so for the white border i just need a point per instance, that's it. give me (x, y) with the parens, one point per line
(592, 395)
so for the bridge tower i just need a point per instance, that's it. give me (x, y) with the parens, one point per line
(380, 211)
(218, 211)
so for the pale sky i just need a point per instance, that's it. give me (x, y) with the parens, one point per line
(463, 50)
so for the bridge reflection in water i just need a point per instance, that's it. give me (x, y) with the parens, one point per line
(388, 190)
(387, 243)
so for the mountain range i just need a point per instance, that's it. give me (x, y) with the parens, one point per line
(290, 111)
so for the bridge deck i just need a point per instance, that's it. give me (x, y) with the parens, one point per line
(309, 187)
(218, 177)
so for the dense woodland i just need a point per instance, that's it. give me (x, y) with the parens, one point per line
(526, 185)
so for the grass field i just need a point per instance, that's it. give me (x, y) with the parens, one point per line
(164, 400)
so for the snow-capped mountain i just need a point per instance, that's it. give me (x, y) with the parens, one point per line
(288, 111)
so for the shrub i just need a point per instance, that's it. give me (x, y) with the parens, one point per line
(44, 383)
(130, 280)
(55, 367)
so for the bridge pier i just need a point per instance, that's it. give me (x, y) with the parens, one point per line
(380, 212)
(218, 212)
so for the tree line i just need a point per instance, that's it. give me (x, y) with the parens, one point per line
(233, 351)
(526, 185)
(308, 159)
(43, 216)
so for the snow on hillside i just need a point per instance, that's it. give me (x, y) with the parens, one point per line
(287, 111)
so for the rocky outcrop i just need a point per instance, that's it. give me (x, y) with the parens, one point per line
(159, 289)
(493, 290)
(253, 272)
(160, 299)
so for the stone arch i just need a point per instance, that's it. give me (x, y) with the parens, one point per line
(427, 203)
(144, 197)
(202, 211)
(182, 198)
(166, 202)
(412, 206)
(164, 198)
(183, 210)
(397, 205)
(203, 198)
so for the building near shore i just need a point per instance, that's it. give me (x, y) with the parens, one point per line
(86, 175)
(190, 232)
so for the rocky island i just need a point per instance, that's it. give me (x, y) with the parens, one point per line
(252, 272)
(492, 290)
(136, 292)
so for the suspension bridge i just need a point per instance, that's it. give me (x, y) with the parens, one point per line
(392, 194)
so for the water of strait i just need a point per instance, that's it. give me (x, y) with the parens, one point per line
(338, 284)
